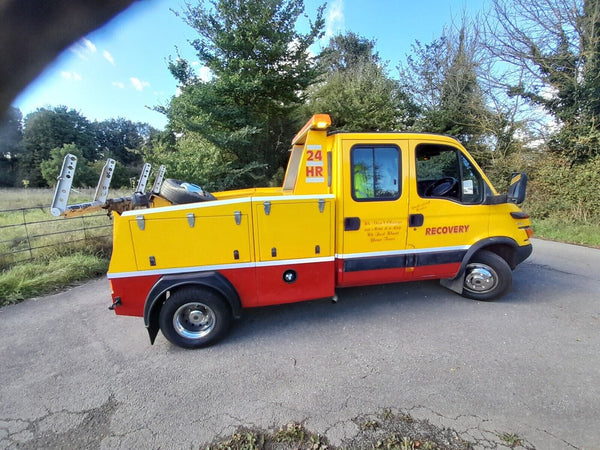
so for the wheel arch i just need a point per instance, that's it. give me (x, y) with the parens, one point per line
(211, 280)
(504, 247)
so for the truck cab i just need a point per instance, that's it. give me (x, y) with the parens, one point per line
(354, 209)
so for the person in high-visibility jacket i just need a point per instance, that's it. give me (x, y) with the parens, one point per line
(363, 186)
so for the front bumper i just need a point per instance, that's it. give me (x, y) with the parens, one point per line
(521, 254)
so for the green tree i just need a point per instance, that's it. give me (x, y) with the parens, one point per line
(443, 77)
(260, 68)
(85, 175)
(554, 47)
(46, 129)
(195, 160)
(362, 98)
(122, 140)
(356, 90)
(347, 51)
(11, 135)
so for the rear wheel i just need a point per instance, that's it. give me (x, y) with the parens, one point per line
(194, 317)
(487, 277)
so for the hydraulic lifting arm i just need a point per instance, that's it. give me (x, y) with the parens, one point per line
(60, 206)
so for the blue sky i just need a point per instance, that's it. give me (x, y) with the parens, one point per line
(121, 69)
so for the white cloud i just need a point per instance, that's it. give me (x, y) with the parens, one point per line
(108, 57)
(335, 22)
(83, 47)
(118, 84)
(89, 45)
(71, 76)
(138, 84)
(205, 73)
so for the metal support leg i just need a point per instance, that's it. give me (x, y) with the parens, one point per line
(63, 185)
(160, 176)
(141, 186)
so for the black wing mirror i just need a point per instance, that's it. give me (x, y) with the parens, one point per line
(517, 188)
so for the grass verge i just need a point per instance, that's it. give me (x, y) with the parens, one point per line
(564, 231)
(50, 274)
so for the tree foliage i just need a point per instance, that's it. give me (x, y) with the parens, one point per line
(193, 159)
(260, 68)
(362, 98)
(356, 90)
(443, 78)
(46, 129)
(348, 51)
(121, 139)
(29, 145)
(11, 135)
(555, 44)
(84, 174)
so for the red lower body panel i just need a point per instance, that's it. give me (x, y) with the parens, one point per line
(256, 286)
(290, 283)
(133, 292)
(244, 282)
(437, 271)
(393, 275)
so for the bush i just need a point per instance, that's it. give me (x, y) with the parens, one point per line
(565, 191)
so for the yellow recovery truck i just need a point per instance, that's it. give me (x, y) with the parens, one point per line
(354, 209)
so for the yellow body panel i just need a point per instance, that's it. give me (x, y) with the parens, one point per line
(382, 223)
(447, 223)
(502, 224)
(199, 234)
(293, 228)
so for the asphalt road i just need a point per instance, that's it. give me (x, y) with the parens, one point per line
(74, 375)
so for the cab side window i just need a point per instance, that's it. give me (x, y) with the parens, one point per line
(375, 173)
(444, 172)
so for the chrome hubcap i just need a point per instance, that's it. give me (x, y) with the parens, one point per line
(480, 278)
(194, 320)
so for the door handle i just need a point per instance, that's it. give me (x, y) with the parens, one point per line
(416, 220)
(351, 223)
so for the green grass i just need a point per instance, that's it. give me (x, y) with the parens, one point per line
(41, 277)
(42, 253)
(28, 230)
(511, 439)
(571, 232)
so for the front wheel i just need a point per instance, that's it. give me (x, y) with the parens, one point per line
(487, 277)
(194, 317)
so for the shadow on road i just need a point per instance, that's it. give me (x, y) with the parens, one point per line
(400, 300)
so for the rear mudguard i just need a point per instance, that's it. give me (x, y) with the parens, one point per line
(158, 295)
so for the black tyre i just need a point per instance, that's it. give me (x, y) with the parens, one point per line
(179, 192)
(487, 277)
(194, 317)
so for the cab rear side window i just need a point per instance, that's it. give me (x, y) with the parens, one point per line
(375, 173)
(444, 172)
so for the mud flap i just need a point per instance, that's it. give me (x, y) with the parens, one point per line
(153, 328)
(454, 284)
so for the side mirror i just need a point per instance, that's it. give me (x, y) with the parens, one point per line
(517, 188)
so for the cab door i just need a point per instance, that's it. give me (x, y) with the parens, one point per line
(372, 217)
(447, 214)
